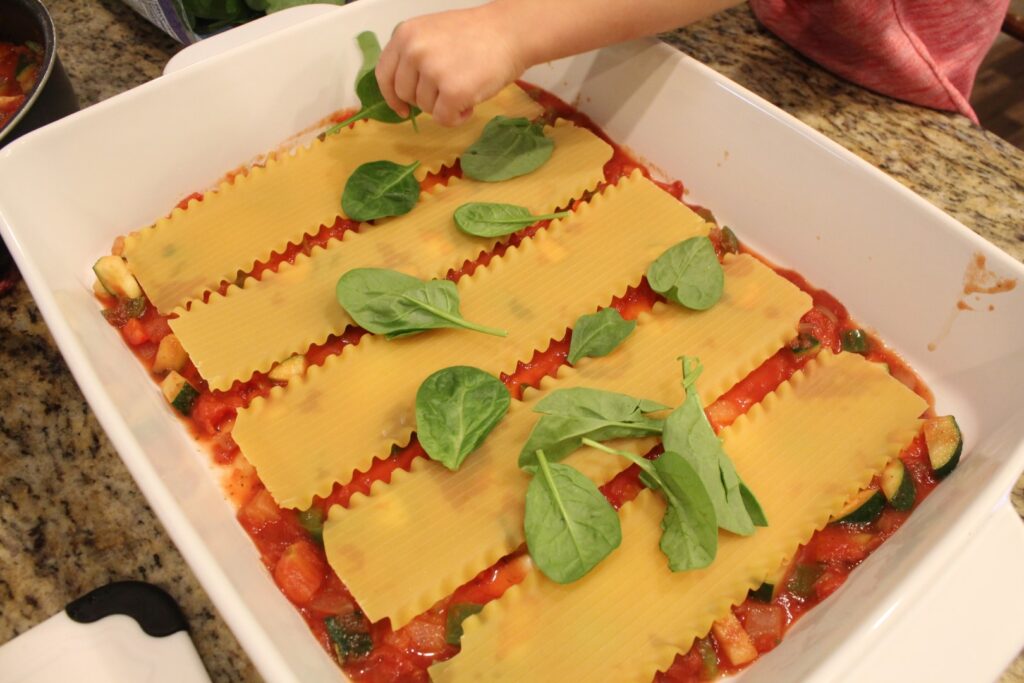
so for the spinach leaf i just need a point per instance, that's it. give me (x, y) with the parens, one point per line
(379, 189)
(507, 148)
(486, 219)
(689, 274)
(569, 415)
(689, 537)
(598, 334)
(349, 635)
(570, 526)
(457, 614)
(753, 507)
(688, 432)
(395, 304)
(270, 6)
(208, 15)
(456, 408)
(371, 102)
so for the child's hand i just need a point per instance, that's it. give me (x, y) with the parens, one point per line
(447, 63)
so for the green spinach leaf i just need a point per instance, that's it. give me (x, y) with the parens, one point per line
(379, 189)
(569, 415)
(371, 102)
(689, 274)
(486, 219)
(456, 408)
(395, 304)
(457, 614)
(689, 530)
(570, 526)
(508, 147)
(754, 509)
(598, 334)
(688, 433)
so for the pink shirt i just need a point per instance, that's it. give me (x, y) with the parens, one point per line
(923, 51)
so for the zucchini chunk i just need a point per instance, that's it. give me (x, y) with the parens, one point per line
(944, 440)
(898, 485)
(805, 344)
(179, 393)
(864, 507)
(113, 274)
(289, 369)
(855, 341)
(170, 355)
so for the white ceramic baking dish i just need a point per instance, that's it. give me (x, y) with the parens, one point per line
(945, 585)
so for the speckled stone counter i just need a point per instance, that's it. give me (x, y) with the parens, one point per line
(71, 518)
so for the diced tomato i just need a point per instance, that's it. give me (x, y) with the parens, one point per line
(426, 634)
(300, 572)
(134, 333)
(764, 623)
(210, 411)
(260, 511)
(836, 544)
(333, 598)
(685, 668)
(828, 583)
(155, 324)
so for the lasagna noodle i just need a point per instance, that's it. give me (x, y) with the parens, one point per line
(476, 513)
(316, 431)
(803, 451)
(244, 221)
(229, 338)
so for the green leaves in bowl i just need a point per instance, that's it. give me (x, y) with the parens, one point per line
(456, 408)
(379, 189)
(598, 334)
(395, 304)
(489, 219)
(507, 148)
(689, 274)
(371, 101)
(570, 526)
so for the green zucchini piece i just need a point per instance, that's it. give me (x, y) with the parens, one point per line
(944, 440)
(113, 274)
(856, 341)
(898, 485)
(863, 508)
(289, 369)
(801, 582)
(135, 308)
(179, 393)
(170, 355)
(805, 344)
(312, 520)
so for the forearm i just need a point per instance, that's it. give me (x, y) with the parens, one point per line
(552, 29)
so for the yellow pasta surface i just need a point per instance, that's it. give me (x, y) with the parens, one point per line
(228, 338)
(476, 513)
(316, 431)
(803, 451)
(194, 250)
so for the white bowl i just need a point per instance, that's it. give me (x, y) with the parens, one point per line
(798, 198)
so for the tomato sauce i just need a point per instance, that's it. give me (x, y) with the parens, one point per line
(19, 70)
(290, 545)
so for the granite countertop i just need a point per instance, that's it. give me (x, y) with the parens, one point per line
(72, 519)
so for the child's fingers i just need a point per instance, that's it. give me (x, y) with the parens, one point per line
(426, 94)
(406, 78)
(385, 72)
(450, 111)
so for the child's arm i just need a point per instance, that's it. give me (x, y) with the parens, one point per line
(446, 63)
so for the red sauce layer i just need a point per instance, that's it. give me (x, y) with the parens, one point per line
(292, 551)
(19, 70)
